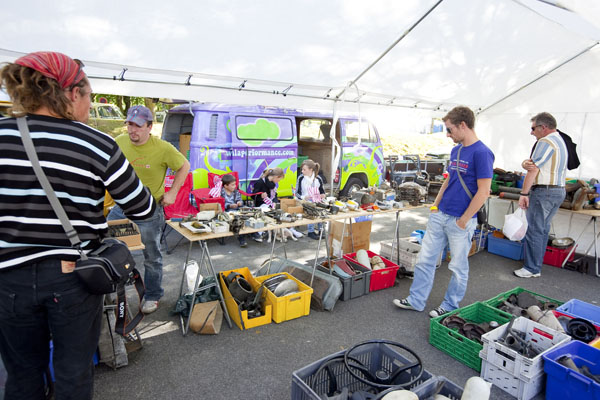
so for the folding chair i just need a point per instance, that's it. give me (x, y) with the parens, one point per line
(181, 208)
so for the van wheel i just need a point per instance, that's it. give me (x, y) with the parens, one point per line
(353, 185)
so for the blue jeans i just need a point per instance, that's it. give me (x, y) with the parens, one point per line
(442, 230)
(151, 230)
(38, 303)
(311, 227)
(543, 204)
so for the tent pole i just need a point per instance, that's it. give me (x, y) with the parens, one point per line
(480, 111)
(389, 48)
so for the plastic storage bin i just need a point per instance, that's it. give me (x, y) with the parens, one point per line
(512, 372)
(428, 389)
(498, 299)
(456, 345)
(564, 383)
(555, 256)
(308, 383)
(240, 318)
(291, 306)
(381, 278)
(522, 390)
(581, 309)
(505, 248)
(406, 255)
(354, 286)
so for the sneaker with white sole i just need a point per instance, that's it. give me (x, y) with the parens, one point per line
(296, 233)
(150, 306)
(436, 312)
(523, 273)
(403, 304)
(257, 237)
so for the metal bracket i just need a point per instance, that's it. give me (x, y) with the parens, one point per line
(121, 75)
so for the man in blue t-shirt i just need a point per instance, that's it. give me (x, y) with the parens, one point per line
(453, 215)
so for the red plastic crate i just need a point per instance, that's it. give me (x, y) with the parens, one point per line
(381, 278)
(555, 256)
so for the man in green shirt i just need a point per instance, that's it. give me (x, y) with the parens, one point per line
(151, 157)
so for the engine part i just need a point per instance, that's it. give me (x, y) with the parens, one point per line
(581, 329)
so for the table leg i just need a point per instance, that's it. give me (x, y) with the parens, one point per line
(212, 271)
(592, 219)
(312, 277)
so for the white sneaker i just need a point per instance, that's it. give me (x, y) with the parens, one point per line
(150, 306)
(296, 233)
(523, 273)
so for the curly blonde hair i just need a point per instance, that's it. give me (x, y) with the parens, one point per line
(29, 91)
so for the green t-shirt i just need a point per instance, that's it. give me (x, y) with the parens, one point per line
(151, 161)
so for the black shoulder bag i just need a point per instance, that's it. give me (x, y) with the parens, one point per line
(481, 214)
(105, 270)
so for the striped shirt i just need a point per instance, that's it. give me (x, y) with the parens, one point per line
(550, 156)
(81, 163)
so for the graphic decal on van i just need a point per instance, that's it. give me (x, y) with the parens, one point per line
(259, 130)
(356, 162)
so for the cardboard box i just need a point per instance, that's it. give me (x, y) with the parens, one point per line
(184, 144)
(206, 318)
(130, 240)
(295, 210)
(284, 204)
(216, 207)
(361, 235)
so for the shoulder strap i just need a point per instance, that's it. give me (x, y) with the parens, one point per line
(462, 182)
(39, 173)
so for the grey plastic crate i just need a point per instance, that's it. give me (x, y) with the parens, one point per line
(427, 390)
(354, 286)
(307, 384)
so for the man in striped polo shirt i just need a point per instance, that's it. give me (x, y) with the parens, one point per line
(40, 296)
(543, 190)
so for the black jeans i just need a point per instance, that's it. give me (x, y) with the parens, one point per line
(38, 303)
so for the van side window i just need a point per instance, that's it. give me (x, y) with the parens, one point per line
(317, 130)
(212, 130)
(263, 128)
(367, 132)
(93, 113)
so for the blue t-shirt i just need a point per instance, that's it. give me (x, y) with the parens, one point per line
(476, 162)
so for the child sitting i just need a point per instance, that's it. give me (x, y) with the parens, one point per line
(310, 188)
(267, 184)
(233, 199)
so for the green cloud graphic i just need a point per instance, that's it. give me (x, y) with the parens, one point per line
(259, 130)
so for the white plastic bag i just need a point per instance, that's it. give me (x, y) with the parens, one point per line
(515, 225)
(190, 277)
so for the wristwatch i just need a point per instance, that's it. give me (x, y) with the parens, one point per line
(524, 194)
(433, 208)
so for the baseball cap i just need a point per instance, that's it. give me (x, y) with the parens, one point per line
(139, 115)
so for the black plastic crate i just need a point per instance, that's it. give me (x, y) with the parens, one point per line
(308, 383)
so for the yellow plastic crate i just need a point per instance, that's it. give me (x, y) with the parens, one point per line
(291, 306)
(240, 318)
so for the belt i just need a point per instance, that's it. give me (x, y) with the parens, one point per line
(545, 186)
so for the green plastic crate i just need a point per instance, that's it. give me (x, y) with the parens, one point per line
(497, 300)
(456, 345)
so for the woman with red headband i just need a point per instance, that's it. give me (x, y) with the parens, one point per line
(40, 296)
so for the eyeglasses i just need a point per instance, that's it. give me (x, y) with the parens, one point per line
(534, 127)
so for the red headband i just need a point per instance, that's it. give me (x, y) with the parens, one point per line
(57, 66)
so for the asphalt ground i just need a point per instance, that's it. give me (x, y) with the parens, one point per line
(258, 363)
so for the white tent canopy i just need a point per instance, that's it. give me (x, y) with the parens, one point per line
(506, 59)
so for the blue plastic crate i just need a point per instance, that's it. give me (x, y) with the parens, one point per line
(505, 248)
(563, 383)
(580, 309)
